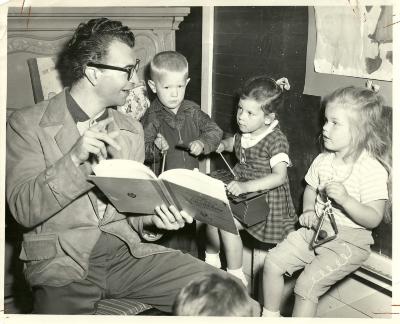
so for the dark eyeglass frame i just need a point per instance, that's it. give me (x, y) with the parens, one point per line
(130, 70)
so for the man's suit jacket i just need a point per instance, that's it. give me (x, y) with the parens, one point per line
(51, 197)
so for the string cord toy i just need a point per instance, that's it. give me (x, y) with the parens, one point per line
(321, 236)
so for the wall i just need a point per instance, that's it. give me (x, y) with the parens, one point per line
(251, 41)
(188, 42)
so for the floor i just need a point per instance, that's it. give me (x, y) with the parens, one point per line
(351, 298)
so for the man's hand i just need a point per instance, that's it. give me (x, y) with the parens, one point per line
(236, 188)
(94, 141)
(161, 143)
(309, 219)
(196, 147)
(168, 218)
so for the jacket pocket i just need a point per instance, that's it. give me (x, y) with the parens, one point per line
(37, 247)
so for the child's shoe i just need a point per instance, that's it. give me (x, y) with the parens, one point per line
(238, 273)
(268, 313)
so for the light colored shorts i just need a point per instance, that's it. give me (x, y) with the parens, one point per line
(324, 265)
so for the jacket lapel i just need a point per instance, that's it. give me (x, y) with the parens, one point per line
(59, 124)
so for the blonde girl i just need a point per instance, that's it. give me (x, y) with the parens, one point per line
(350, 179)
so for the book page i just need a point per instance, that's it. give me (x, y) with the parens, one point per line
(203, 207)
(119, 168)
(197, 181)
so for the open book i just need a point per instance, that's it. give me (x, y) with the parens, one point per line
(133, 188)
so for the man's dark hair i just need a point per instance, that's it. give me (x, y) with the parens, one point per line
(90, 42)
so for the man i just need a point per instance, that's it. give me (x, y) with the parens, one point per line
(79, 249)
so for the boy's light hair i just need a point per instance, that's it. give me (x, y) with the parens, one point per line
(168, 61)
(213, 295)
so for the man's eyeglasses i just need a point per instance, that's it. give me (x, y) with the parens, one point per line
(131, 70)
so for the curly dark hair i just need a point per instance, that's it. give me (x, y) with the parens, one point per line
(264, 90)
(90, 42)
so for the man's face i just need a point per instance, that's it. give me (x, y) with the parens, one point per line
(113, 86)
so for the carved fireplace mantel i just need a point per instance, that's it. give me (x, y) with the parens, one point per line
(44, 31)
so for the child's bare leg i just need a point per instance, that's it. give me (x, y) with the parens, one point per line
(288, 288)
(273, 286)
(304, 307)
(212, 246)
(212, 239)
(233, 247)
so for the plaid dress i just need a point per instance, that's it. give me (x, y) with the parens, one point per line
(254, 163)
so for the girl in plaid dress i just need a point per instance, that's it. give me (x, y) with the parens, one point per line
(262, 151)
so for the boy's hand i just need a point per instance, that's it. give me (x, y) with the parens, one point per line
(337, 192)
(308, 219)
(161, 143)
(196, 147)
(236, 188)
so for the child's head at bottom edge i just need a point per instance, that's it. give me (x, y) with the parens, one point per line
(213, 295)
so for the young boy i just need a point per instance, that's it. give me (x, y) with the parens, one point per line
(213, 295)
(171, 120)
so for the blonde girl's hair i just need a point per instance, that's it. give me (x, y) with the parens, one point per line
(168, 61)
(370, 125)
(265, 91)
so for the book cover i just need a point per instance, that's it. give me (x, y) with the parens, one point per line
(133, 188)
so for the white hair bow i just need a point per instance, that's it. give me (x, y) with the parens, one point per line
(283, 83)
(372, 86)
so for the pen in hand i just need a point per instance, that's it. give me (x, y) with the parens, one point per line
(102, 155)
(92, 141)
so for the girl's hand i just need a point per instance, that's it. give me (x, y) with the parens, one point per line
(196, 147)
(308, 219)
(220, 148)
(337, 192)
(236, 188)
(161, 143)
